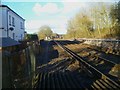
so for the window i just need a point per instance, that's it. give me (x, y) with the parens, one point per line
(13, 21)
(21, 36)
(9, 20)
(13, 35)
(21, 25)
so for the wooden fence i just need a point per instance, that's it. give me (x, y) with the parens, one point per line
(19, 65)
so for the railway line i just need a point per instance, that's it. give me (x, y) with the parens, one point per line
(89, 75)
(107, 63)
(110, 56)
(93, 69)
(98, 56)
(105, 56)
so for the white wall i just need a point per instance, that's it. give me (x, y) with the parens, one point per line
(3, 23)
(18, 31)
(0, 22)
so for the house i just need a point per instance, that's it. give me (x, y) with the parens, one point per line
(11, 24)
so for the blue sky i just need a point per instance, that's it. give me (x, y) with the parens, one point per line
(54, 13)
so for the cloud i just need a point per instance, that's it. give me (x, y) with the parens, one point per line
(57, 24)
(50, 8)
(70, 7)
(59, 0)
(57, 21)
(89, 0)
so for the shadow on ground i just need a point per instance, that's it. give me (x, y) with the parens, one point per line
(47, 52)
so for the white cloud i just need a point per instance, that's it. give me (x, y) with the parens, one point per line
(70, 0)
(52, 8)
(47, 8)
(59, 0)
(89, 1)
(70, 7)
(57, 24)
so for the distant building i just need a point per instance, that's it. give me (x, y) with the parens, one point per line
(47, 38)
(58, 36)
(11, 24)
(61, 36)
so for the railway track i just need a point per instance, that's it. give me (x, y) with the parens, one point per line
(107, 55)
(90, 77)
(99, 52)
(103, 80)
(107, 63)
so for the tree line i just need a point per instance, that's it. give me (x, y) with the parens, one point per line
(102, 21)
(45, 31)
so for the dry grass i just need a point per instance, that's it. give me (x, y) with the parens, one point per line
(115, 71)
(62, 53)
(74, 66)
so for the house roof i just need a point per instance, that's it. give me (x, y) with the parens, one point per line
(7, 41)
(12, 11)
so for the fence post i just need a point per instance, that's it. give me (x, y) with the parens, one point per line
(33, 62)
(0, 68)
(6, 70)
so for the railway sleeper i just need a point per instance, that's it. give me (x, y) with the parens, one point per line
(77, 84)
(110, 84)
(104, 83)
(67, 75)
(65, 81)
(96, 86)
(100, 84)
(93, 87)
(57, 81)
(48, 80)
(115, 84)
(45, 80)
(52, 81)
(61, 80)
(91, 68)
(87, 71)
(40, 80)
(36, 80)
(93, 73)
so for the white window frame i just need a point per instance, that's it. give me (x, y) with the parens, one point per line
(13, 21)
(21, 26)
(9, 19)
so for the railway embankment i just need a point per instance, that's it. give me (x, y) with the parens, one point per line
(95, 54)
(106, 45)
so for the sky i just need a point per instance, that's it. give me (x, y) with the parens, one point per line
(54, 13)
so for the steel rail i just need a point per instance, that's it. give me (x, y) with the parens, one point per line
(80, 59)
